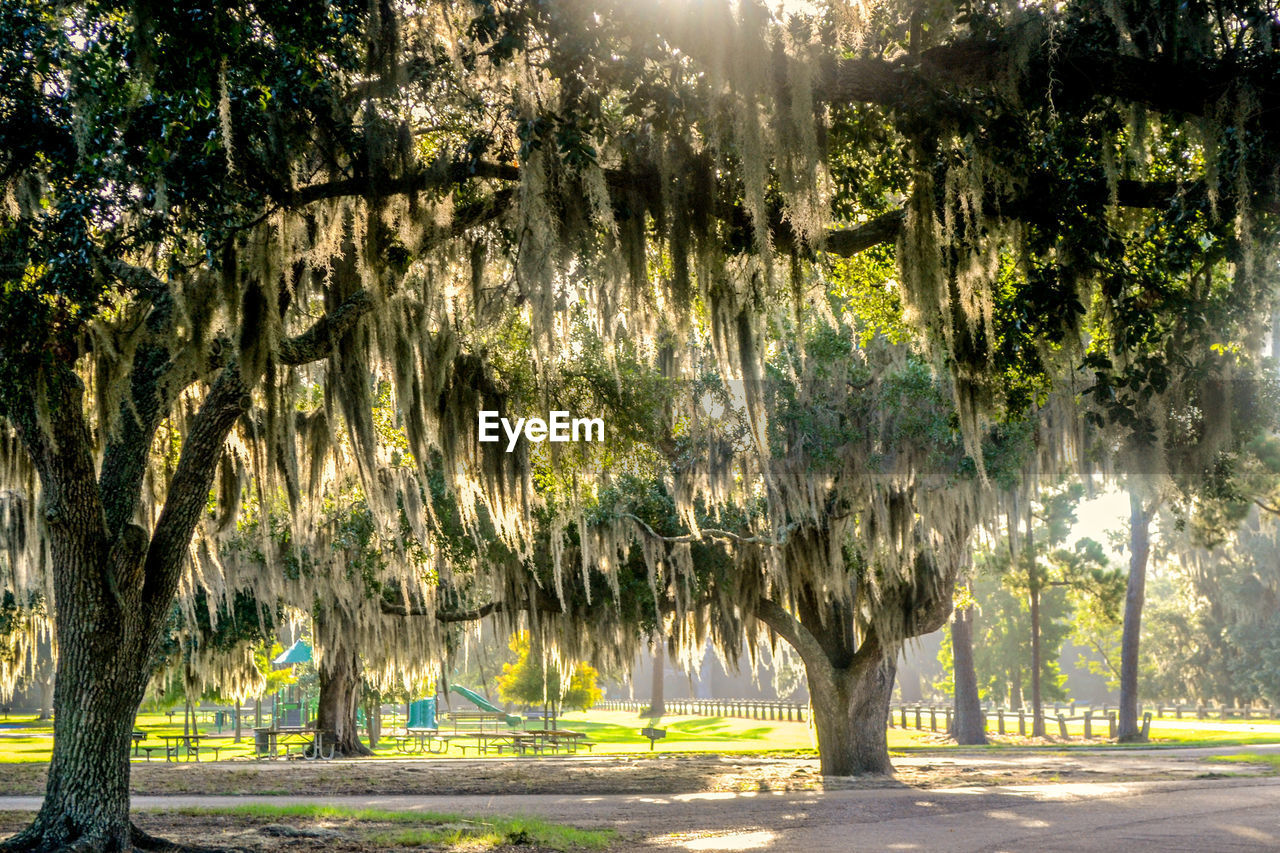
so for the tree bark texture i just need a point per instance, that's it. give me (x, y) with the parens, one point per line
(657, 699)
(850, 714)
(969, 725)
(373, 720)
(340, 687)
(1128, 730)
(113, 586)
(1037, 700)
(46, 695)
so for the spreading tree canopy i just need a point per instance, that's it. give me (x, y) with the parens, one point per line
(212, 211)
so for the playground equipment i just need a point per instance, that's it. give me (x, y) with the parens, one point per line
(484, 704)
(422, 714)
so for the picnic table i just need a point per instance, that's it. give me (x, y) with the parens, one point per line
(178, 746)
(520, 741)
(269, 739)
(554, 739)
(422, 740)
(516, 740)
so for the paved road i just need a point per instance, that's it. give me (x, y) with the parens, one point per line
(1199, 815)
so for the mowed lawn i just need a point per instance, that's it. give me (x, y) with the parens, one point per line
(611, 733)
(618, 732)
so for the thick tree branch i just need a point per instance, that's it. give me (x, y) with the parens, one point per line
(542, 602)
(437, 177)
(124, 459)
(703, 533)
(787, 626)
(886, 227)
(136, 278)
(318, 341)
(394, 608)
(59, 444)
(1080, 71)
(188, 494)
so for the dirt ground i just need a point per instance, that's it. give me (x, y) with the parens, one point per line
(662, 774)
(642, 779)
(244, 833)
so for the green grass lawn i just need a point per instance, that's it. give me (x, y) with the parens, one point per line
(1214, 733)
(618, 732)
(1267, 759)
(611, 732)
(435, 829)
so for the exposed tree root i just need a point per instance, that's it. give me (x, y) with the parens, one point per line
(142, 840)
(41, 838)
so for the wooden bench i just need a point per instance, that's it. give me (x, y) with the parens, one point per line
(150, 749)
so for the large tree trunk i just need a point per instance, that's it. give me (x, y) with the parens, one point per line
(113, 586)
(1037, 701)
(850, 714)
(373, 719)
(46, 696)
(340, 685)
(99, 687)
(657, 698)
(851, 677)
(850, 684)
(969, 726)
(1139, 548)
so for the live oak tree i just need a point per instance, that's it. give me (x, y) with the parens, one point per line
(196, 218)
(844, 525)
(208, 207)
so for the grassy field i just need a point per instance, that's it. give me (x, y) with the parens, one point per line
(618, 732)
(611, 732)
(418, 829)
(1267, 759)
(351, 830)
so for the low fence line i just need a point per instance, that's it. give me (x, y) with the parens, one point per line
(750, 709)
(1098, 721)
(932, 718)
